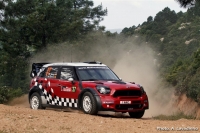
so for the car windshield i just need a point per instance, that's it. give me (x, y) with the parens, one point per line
(96, 73)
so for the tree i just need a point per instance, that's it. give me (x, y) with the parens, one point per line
(2, 5)
(150, 19)
(40, 22)
(166, 14)
(186, 3)
(26, 24)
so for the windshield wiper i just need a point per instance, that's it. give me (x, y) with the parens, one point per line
(89, 79)
(111, 79)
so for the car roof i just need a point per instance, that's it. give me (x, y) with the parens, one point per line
(73, 64)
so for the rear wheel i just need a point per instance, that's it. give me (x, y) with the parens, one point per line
(89, 104)
(35, 101)
(136, 114)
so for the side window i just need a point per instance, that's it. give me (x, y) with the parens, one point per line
(51, 72)
(66, 73)
(42, 72)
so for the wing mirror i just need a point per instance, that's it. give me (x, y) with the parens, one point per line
(70, 79)
(32, 75)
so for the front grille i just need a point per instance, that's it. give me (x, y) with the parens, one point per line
(127, 97)
(128, 107)
(122, 93)
(136, 101)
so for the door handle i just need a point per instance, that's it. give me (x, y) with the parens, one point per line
(59, 85)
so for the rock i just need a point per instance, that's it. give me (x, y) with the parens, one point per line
(188, 42)
(162, 39)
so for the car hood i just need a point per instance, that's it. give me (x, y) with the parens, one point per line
(116, 85)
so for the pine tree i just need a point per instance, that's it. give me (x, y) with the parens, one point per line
(186, 3)
(33, 24)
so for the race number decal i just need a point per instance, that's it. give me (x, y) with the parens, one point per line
(73, 88)
(125, 102)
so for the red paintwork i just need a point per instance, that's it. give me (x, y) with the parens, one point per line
(116, 101)
(108, 101)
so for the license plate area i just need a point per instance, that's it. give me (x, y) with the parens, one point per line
(125, 102)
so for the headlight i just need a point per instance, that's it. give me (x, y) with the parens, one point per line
(103, 89)
(141, 88)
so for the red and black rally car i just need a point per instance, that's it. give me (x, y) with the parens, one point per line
(90, 86)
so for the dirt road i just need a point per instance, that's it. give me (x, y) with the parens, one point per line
(19, 119)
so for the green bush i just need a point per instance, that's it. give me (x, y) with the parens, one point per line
(7, 93)
(175, 116)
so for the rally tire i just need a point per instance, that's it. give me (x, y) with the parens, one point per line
(89, 104)
(35, 101)
(136, 115)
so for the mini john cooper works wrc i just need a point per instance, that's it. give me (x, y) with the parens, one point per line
(89, 86)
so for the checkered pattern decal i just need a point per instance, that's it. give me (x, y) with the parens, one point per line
(55, 100)
(59, 101)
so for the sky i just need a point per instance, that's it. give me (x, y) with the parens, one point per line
(126, 13)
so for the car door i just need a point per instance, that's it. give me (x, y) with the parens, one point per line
(51, 90)
(68, 88)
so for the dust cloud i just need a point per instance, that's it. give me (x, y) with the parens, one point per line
(20, 101)
(138, 65)
(131, 59)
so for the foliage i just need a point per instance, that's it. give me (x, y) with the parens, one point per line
(175, 116)
(175, 39)
(27, 26)
(7, 93)
(37, 23)
(186, 3)
(13, 71)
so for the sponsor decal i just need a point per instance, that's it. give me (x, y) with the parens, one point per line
(73, 88)
(108, 102)
(91, 67)
(68, 89)
(65, 88)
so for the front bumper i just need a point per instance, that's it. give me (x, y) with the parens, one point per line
(124, 104)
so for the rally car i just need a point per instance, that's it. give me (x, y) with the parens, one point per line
(89, 86)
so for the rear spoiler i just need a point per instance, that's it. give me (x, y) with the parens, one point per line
(36, 68)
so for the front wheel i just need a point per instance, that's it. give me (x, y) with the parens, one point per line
(35, 101)
(136, 114)
(89, 104)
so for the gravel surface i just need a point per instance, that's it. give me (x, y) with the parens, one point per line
(22, 119)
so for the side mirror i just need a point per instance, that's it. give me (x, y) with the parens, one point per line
(120, 79)
(70, 79)
(32, 75)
